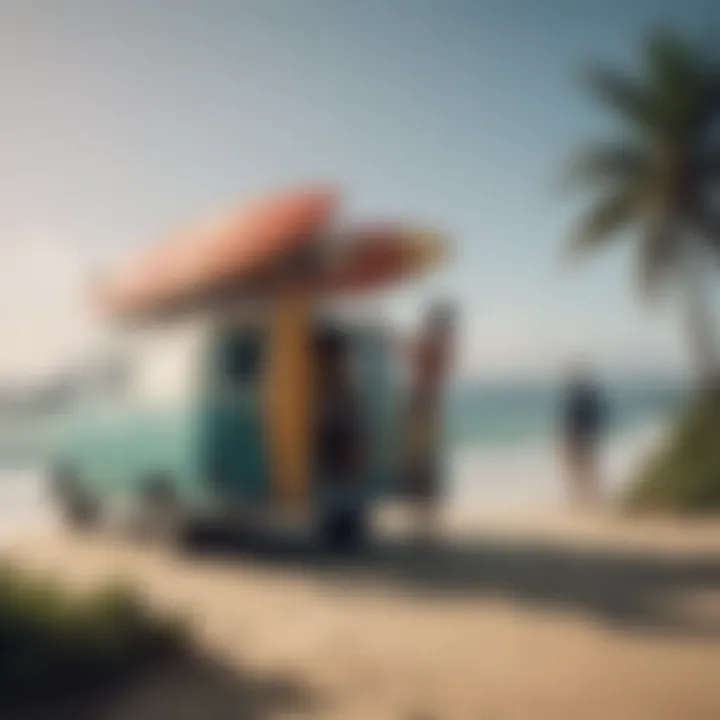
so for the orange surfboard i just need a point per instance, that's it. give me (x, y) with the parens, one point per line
(289, 389)
(240, 244)
(226, 248)
(372, 256)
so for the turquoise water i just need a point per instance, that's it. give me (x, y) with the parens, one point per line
(501, 415)
(480, 416)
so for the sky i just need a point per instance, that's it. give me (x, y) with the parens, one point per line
(121, 120)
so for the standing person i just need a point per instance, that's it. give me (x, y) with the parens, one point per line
(339, 444)
(584, 419)
(424, 421)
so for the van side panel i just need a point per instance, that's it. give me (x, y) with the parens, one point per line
(234, 450)
(381, 408)
(114, 455)
(165, 445)
(120, 438)
(233, 434)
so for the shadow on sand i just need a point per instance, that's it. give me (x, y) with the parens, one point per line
(637, 591)
(185, 688)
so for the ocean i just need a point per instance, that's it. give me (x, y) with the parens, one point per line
(514, 415)
(501, 438)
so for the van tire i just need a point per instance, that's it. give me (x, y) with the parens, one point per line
(78, 509)
(162, 519)
(344, 532)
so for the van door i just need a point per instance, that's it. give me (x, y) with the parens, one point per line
(238, 459)
(379, 402)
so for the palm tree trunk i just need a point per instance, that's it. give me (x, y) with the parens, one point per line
(699, 317)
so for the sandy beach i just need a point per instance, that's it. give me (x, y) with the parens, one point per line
(533, 616)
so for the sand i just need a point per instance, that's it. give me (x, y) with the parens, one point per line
(537, 617)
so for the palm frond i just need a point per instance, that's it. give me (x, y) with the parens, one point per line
(604, 221)
(629, 97)
(677, 80)
(708, 111)
(672, 62)
(706, 194)
(657, 256)
(661, 178)
(611, 162)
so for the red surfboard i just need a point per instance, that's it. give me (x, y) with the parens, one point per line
(231, 246)
(376, 255)
(237, 245)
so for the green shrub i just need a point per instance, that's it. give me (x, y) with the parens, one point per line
(684, 475)
(55, 644)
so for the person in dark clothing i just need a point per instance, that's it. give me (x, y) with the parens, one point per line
(584, 420)
(338, 443)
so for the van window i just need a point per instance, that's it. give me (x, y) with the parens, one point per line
(242, 356)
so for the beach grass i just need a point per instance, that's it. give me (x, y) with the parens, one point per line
(56, 644)
(683, 475)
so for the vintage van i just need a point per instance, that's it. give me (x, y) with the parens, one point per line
(203, 410)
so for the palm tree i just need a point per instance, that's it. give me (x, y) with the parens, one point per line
(657, 181)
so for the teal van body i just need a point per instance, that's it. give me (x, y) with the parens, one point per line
(119, 436)
(183, 408)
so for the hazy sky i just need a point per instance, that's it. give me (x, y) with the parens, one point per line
(122, 118)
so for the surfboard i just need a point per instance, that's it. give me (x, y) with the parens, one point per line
(233, 248)
(289, 389)
(372, 256)
(228, 247)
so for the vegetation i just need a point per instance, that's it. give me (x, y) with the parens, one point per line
(684, 475)
(657, 182)
(56, 645)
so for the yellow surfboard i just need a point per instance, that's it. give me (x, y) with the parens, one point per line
(288, 401)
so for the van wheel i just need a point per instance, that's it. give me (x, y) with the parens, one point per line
(344, 531)
(78, 509)
(162, 520)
